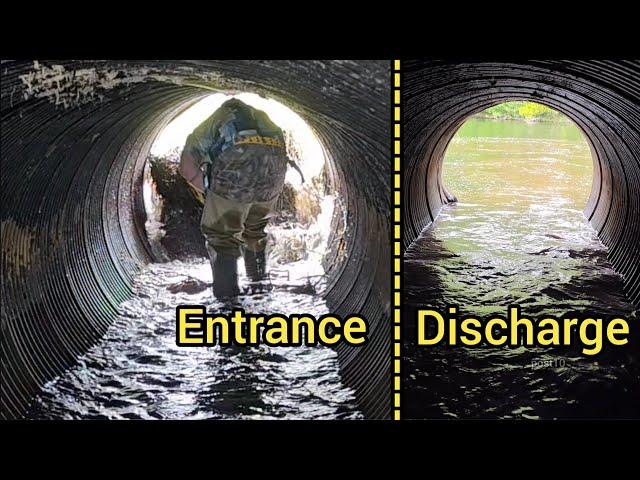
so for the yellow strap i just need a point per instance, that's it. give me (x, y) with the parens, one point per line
(199, 195)
(257, 139)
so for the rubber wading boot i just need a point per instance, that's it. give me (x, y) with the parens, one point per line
(225, 276)
(255, 264)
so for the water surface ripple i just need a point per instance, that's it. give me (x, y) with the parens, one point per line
(138, 372)
(517, 236)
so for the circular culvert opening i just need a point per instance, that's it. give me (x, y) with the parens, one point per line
(141, 343)
(522, 155)
(514, 182)
(76, 137)
(298, 233)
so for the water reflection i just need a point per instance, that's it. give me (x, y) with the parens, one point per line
(138, 372)
(517, 236)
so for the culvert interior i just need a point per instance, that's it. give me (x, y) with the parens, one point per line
(75, 136)
(601, 97)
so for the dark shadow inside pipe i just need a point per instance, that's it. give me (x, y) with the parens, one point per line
(601, 98)
(75, 139)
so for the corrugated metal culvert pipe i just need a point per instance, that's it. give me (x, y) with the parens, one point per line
(75, 136)
(601, 97)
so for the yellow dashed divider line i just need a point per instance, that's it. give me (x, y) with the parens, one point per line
(397, 261)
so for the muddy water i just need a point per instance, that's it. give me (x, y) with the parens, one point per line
(516, 236)
(138, 372)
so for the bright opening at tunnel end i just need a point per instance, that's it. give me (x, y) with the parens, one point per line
(510, 221)
(418, 239)
(166, 183)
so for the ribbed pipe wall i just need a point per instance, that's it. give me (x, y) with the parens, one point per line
(601, 97)
(72, 211)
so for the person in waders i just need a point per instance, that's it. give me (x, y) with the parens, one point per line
(237, 159)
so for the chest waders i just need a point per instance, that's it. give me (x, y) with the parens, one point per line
(243, 130)
(255, 264)
(225, 275)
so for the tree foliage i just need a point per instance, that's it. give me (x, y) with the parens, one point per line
(529, 111)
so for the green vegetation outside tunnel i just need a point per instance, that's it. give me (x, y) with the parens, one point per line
(529, 111)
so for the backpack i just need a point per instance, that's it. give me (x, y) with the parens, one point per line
(242, 120)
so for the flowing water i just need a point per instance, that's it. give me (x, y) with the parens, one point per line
(517, 235)
(138, 372)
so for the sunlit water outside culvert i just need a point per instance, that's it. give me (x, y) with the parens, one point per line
(516, 236)
(136, 371)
